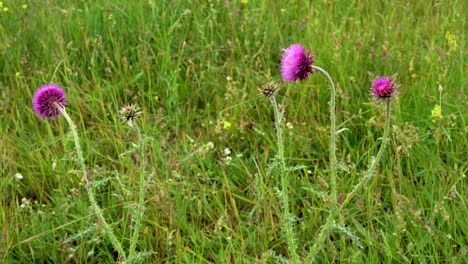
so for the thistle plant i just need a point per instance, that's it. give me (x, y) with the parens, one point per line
(49, 101)
(297, 65)
(269, 91)
(128, 114)
(383, 90)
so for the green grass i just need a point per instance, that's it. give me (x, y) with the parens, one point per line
(194, 67)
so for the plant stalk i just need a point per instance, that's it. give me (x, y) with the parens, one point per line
(368, 175)
(333, 163)
(92, 200)
(284, 194)
(141, 199)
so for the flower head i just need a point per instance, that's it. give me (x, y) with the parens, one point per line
(129, 113)
(268, 90)
(296, 64)
(48, 99)
(383, 88)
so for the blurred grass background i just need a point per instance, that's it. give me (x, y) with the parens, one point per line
(194, 67)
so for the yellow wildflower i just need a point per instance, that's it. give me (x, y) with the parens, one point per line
(451, 40)
(436, 113)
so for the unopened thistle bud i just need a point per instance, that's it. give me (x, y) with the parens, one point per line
(268, 90)
(128, 113)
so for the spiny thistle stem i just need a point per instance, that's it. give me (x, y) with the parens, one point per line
(284, 197)
(141, 199)
(373, 164)
(368, 175)
(333, 165)
(92, 200)
(321, 237)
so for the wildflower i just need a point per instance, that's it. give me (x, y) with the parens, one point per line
(383, 88)
(451, 40)
(226, 124)
(210, 145)
(227, 151)
(129, 113)
(48, 99)
(18, 176)
(436, 113)
(296, 64)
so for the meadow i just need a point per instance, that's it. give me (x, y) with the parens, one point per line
(208, 139)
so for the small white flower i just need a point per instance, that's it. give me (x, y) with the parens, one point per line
(227, 151)
(19, 176)
(229, 78)
(210, 145)
(228, 158)
(289, 125)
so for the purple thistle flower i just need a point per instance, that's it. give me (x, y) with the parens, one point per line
(383, 88)
(296, 64)
(47, 99)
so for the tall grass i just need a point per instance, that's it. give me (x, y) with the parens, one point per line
(194, 67)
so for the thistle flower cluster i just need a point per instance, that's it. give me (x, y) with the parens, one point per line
(49, 101)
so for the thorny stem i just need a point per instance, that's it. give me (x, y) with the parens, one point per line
(92, 200)
(333, 164)
(284, 194)
(368, 175)
(141, 200)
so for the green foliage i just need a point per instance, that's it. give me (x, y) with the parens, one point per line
(195, 67)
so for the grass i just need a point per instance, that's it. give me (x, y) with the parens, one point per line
(194, 67)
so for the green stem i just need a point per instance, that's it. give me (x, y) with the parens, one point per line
(321, 237)
(284, 194)
(333, 163)
(141, 200)
(374, 162)
(367, 176)
(92, 200)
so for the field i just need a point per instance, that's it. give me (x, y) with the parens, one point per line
(203, 175)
